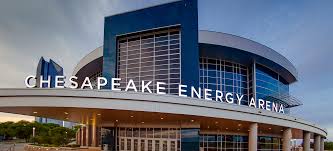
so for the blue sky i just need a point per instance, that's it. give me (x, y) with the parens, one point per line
(67, 30)
(300, 30)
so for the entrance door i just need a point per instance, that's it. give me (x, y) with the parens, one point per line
(148, 139)
(147, 144)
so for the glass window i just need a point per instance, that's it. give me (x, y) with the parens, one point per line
(122, 144)
(223, 142)
(129, 144)
(269, 143)
(157, 145)
(135, 145)
(143, 132)
(142, 146)
(270, 86)
(144, 55)
(150, 145)
(165, 145)
(150, 132)
(157, 132)
(226, 76)
(164, 133)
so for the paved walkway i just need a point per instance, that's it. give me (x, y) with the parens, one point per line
(7, 147)
(19, 147)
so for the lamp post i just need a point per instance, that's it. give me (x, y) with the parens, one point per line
(66, 137)
(33, 133)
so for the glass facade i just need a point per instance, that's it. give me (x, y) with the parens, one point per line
(217, 74)
(269, 84)
(176, 139)
(222, 142)
(150, 56)
(108, 138)
(190, 139)
(93, 79)
(148, 139)
(266, 143)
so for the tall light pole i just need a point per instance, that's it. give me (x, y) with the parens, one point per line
(33, 133)
(66, 138)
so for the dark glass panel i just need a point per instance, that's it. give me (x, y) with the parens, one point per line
(174, 46)
(174, 80)
(150, 132)
(147, 50)
(161, 58)
(190, 139)
(147, 40)
(164, 38)
(150, 45)
(174, 37)
(174, 56)
(174, 41)
(159, 53)
(174, 51)
(163, 43)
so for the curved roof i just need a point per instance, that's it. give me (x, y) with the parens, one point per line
(27, 101)
(95, 54)
(232, 41)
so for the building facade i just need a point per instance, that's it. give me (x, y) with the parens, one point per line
(143, 46)
(223, 92)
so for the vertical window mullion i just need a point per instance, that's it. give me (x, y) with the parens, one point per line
(126, 66)
(140, 52)
(154, 73)
(169, 61)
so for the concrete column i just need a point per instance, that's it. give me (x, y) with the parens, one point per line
(306, 141)
(317, 142)
(78, 137)
(93, 133)
(253, 137)
(322, 144)
(82, 136)
(286, 139)
(87, 132)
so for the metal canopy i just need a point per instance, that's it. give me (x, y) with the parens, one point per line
(288, 100)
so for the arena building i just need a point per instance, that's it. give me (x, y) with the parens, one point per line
(164, 44)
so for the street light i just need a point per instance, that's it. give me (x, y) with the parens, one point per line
(66, 137)
(33, 133)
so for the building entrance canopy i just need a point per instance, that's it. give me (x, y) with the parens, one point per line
(84, 105)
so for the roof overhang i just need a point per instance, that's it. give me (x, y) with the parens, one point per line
(88, 59)
(54, 102)
(246, 50)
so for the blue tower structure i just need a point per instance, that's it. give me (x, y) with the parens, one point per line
(46, 69)
(51, 69)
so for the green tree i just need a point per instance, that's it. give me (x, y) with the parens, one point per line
(51, 134)
(60, 135)
(23, 130)
(7, 129)
(328, 145)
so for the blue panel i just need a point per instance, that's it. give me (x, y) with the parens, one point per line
(268, 83)
(182, 13)
(46, 69)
